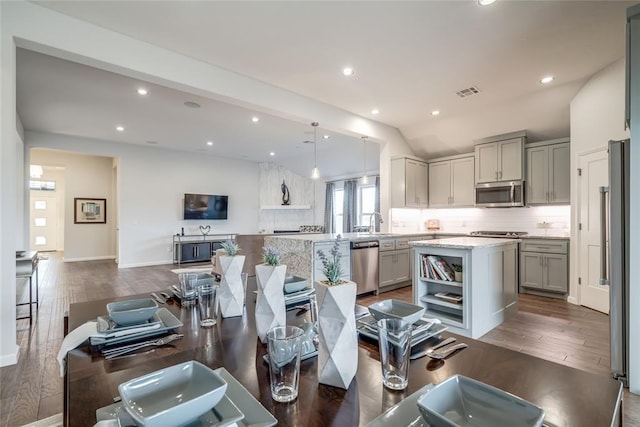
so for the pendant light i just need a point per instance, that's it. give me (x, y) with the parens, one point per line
(315, 173)
(365, 179)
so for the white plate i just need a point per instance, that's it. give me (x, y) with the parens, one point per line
(225, 413)
(167, 321)
(404, 413)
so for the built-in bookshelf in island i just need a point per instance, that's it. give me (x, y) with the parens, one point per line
(487, 292)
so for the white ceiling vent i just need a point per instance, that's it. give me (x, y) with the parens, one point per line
(472, 90)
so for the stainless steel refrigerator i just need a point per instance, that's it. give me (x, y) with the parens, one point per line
(615, 255)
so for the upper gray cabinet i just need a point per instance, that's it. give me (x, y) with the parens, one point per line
(451, 181)
(548, 172)
(500, 158)
(409, 186)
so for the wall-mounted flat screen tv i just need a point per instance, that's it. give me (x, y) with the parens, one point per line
(205, 206)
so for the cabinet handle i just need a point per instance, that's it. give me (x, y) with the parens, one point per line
(500, 174)
(541, 262)
(546, 196)
(496, 175)
(553, 195)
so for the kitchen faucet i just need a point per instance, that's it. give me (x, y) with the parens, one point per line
(371, 219)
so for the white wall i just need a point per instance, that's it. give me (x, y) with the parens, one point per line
(597, 115)
(152, 184)
(85, 176)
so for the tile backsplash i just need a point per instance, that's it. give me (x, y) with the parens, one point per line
(538, 220)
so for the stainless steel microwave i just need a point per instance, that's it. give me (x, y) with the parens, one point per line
(500, 194)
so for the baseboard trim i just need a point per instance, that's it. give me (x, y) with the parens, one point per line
(11, 358)
(573, 300)
(93, 258)
(144, 264)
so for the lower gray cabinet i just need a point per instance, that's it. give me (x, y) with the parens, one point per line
(544, 266)
(394, 268)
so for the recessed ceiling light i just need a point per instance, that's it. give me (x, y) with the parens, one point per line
(255, 119)
(142, 91)
(120, 128)
(209, 143)
(272, 153)
(485, 2)
(326, 136)
(191, 104)
(547, 79)
(435, 112)
(348, 71)
(152, 142)
(375, 111)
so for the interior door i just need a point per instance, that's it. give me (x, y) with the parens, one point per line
(43, 219)
(595, 174)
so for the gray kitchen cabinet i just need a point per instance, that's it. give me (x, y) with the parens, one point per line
(548, 172)
(409, 183)
(451, 182)
(394, 264)
(500, 158)
(544, 267)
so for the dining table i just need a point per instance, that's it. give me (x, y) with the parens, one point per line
(569, 396)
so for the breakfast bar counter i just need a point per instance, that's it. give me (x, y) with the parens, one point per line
(570, 397)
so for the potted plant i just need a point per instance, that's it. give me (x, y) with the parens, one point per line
(270, 307)
(231, 293)
(457, 272)
(337, 336)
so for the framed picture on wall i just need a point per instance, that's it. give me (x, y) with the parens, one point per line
(89, 211)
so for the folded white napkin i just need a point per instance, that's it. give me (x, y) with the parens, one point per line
(192, 270)
(74, 339)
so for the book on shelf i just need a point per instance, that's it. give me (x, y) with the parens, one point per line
(449, 296)
(441, 267)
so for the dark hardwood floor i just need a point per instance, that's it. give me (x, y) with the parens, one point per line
(32, 389)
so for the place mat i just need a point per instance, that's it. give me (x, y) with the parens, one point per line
(417, 336)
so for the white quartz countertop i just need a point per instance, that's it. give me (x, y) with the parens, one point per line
(352, 237)
(463, 242)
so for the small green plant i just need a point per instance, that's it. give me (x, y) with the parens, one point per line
(230, 247)
(271, 256)
(456, 268)
(331, 267)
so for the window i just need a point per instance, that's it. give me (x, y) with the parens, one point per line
(366, 203)
(338, 200)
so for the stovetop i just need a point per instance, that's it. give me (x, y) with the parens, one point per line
(503, 234)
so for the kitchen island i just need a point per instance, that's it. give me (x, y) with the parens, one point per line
(485, 294)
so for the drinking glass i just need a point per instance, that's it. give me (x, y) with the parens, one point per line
(284, 362)
(188, 283)
(208, 304)
(394, 339)
(245, 277)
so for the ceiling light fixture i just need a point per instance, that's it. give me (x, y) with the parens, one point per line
(435, 113)
(272, 153)
(375, 111)
(485, 2)
(547, 79)
(120, 128)
(191, 104)
(348, 71)
(142, 91)
(255, 119)
(326, 136)
(365, 179)
(315, 173)
(209, 143)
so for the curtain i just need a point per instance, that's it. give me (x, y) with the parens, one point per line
(329, 226)
(377, 202)
(350, 205)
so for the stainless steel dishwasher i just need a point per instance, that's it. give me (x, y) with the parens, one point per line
(364, 266)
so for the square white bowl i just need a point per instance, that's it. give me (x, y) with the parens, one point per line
(395, 309)
(172, 396)
(132, 311)
(461, 401)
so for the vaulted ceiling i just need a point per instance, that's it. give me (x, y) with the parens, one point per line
(410, 58)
